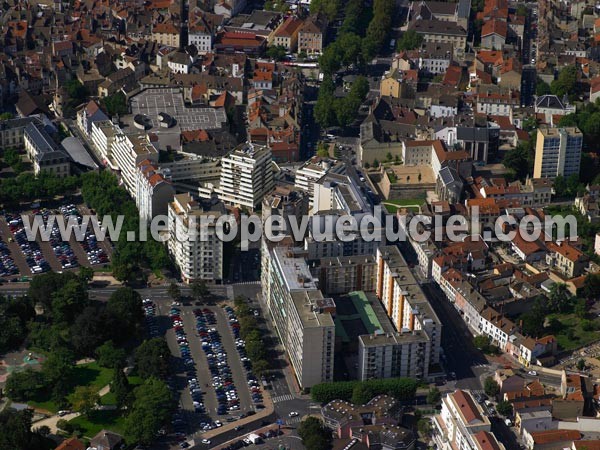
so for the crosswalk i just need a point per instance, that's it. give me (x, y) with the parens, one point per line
(476, 392)
(247, 282)
(293, 420)
(283, 398)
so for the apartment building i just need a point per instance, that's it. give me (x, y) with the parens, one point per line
(286, 34)
(166, 34)
(557, 152)
(246, 175)
(87, 115)
(405, 302)
(440, 31)
(127, 152)
(288, 203)
(44, 153)
(12, 132)
(343, 274)
(337, 192)
(463, 425)
(392, 355)
(498, 104)
(568, 260)
(310, 36)
(153, 191)
(103, 136)
(313, 170)
(302, 317)
(193, 242)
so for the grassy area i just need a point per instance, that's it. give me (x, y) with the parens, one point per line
(100, 420)
(409, 202)
(579, 336)
(393, 208)
(90, 374)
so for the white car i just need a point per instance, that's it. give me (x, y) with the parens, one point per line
(532, 372)
(218, 423)
(206, 441)
(294, 414)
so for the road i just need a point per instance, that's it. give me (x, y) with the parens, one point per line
(462, 357)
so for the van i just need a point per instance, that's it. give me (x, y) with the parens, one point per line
(508, 422)
(488, 403)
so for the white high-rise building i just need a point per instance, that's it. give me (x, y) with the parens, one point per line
(246, 175)
(301, 315)
(557, 152)
(153, 191)
(193, 242)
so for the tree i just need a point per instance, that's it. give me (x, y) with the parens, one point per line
(199, 290)
(581, 308)
(559, 298)
(174, 291)
(152, 358)
(6, 116)
(110, 356)
(566, 83)
(86, 274)
(277, 53)
(362, 394)
(24, 386)
(16, 433)
(410, 40)
(591, 287)
(150, 410)
(481, 342)
(490, 387)
(85, 399)
(125, 304)
(116, 104)
(542, 88)
(120, 387)
(314, 435)
(504, 408)
(68, 302)
(434, 396)
(522, 10)
(260, 366)
(519, 160)
(424, 427)
(581, 364)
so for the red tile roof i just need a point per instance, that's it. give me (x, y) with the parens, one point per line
(467, 406)
(550, 436)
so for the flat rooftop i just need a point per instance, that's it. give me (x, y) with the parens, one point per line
(152, 102)
(295, 270)
(307, 305)
(356, 314)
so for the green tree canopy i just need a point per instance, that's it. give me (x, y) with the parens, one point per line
(84, 399)
(152, 358)
(410, 40)
(152, 406)
(490, 387)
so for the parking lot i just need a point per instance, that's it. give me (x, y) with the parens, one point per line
(21, 257)
(152, 102)
(214, 386)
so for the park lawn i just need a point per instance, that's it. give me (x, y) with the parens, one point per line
(100, 420)
(393, 208)
(580, 338)
(90, 374)
(409, 202)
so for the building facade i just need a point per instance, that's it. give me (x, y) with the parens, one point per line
(557, 152)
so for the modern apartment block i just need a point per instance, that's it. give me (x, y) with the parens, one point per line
(153, 191)
(127, 152)
(463, 425)
(302, 316)
(406, 304)
(193, 242)
(313, 170)
(557, 152)
(246, 175)
(392, 355)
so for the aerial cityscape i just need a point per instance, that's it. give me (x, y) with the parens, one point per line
(299, 224)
